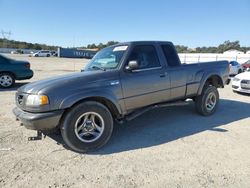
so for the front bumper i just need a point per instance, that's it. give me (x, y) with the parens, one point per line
(38, 121)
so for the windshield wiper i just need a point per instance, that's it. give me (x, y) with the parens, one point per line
(96, 67)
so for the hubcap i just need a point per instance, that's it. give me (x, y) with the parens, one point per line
(211, 101)
(89, 127)
(5, 80)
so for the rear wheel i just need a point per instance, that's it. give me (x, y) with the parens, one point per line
(7, 80)
(207, 102)
(88, 126)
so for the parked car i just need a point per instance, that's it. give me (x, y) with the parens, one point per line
(120, 83)
(54, 53)
(17, 51)
(12, 70)
(241, 82)
(246, 65)
(42, 53)
(235, 68)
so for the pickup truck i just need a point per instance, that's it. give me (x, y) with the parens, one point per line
(12, 70)
(119, 83)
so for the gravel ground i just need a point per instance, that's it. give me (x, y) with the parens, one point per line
(167, 147)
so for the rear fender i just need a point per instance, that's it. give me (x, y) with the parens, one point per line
(205, 77)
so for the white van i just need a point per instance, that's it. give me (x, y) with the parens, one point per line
(42, 53)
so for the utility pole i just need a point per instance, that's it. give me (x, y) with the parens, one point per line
(6, 36)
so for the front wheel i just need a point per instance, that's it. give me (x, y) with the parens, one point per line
(207, 102)
(86, 127)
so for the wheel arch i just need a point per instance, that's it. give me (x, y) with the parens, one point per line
(211, 79)
(9, 72)
(108, 102)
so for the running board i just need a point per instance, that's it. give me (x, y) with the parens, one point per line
(141, 111)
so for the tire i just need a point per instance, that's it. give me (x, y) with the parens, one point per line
(78, 124)
(240, 71)
(206, 104)
(7, 80)
(48, 55)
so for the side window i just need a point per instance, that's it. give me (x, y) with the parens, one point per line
(234, 63)
(170, 55)
(146, 56)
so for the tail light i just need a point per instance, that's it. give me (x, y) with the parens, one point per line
(27, 65)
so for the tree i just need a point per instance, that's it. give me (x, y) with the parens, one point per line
(227, 45)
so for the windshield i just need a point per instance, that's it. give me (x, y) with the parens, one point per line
(248, 62)
(108, 58)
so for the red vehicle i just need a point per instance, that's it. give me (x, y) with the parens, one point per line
(246, 65)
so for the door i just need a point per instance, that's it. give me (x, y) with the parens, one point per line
(177, 73)
(149, 83)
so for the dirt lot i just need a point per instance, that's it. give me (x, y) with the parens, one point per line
(168, 147)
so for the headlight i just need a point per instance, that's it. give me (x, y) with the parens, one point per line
(236, 79)
(36, 100)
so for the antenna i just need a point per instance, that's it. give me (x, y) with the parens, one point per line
(6, 36)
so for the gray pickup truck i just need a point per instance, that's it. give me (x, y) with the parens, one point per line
(119, 83)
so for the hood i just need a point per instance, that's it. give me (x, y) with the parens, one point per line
(66, 82)
(244, 75)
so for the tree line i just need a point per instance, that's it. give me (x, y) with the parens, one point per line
(227, 45)
(5, 43)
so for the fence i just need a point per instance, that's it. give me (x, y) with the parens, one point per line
(24, 51)
(204, 57)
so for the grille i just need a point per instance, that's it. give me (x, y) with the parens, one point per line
(20, 99)
(245, 84)
(245, 81)
(245, 87)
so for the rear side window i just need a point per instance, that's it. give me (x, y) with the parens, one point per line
(234, 63)
(146, 56)
(170, 55)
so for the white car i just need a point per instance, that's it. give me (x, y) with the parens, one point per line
(241, 82)
(42, 53)
(235, 68)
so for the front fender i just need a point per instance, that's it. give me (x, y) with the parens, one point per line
(76, 97)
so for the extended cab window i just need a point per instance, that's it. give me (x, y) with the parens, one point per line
(146, 56)
(170, 55)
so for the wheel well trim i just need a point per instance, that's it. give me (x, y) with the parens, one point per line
(110, 102)
(9, 72)
(209, 76)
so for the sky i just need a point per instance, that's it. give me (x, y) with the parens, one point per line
(71, 23)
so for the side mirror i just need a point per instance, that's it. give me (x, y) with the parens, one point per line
(132, 65)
